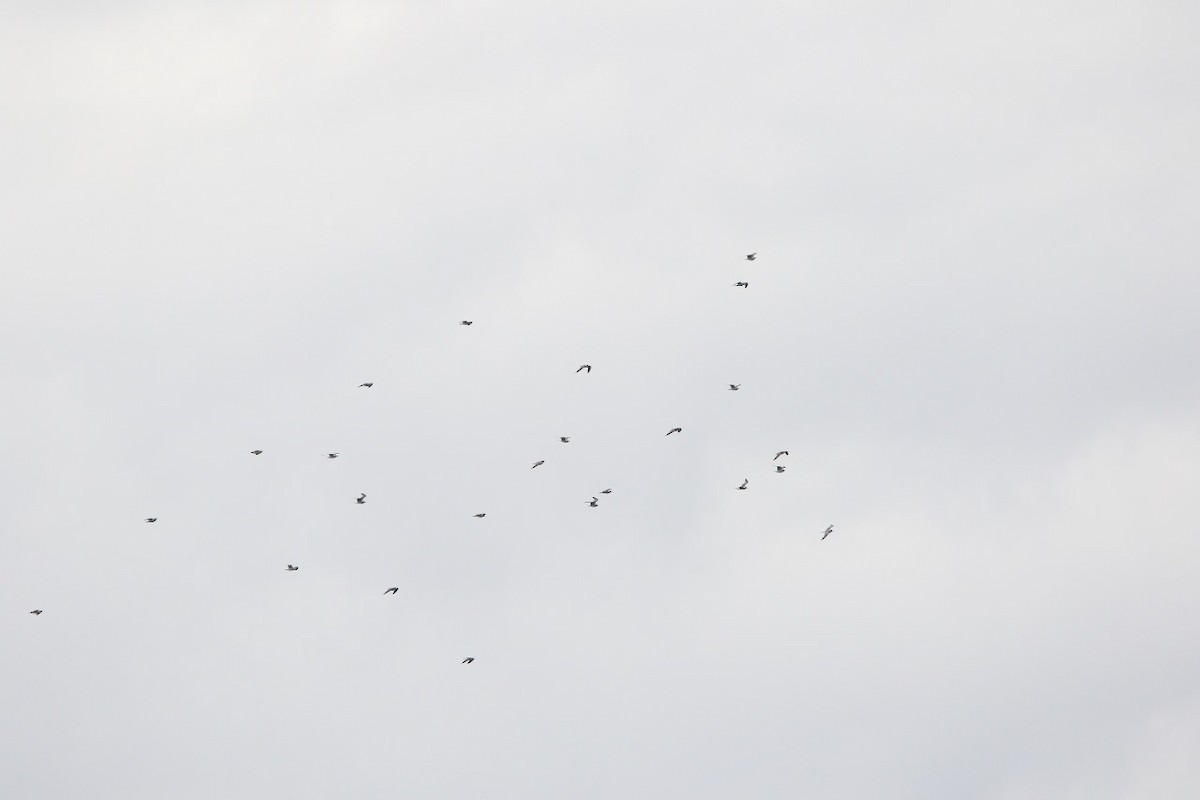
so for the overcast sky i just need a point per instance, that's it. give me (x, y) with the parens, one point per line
(971, 322)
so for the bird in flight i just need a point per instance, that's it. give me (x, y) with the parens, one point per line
(582, 367)
(368, 385)
(674, 430)
(256, 452)
(331, 455)
(468, 659)
(780, 468)
(564, 439)
(733, 387)
(392, 590)
(743, 284)
(751, 256)
(36, 611)
(151, 519)
(467, 322)
(481, 516)
(361, 499)
(595, 501)
(538, 464)
(781, 453)
(745, 483)
(828, 531)
(292, 568)
(606, 491)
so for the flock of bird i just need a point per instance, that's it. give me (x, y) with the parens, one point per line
(594, 502)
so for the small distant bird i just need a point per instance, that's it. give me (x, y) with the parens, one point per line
(467, 322)
(780, 469)
(151, 519)
(256, 452)
(468, 659)
(480, 516)
(733, 387)
(751, 256)
(674, 430)
(537, 464)
(392, 590)
(368, 385)
(36, 611)
(564, 439)
(828, 531)
(595, 501)
(361, 499)
(291, 568)
(332, 455)
(606, 491)
(582, 367)
(743, 284)
(745, 483)
(781, 453)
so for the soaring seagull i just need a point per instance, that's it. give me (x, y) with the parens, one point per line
(781, 453)
(392, 590)
(151, 519)
(468, 659)
(467, 322)
(291, 568)
(481, 516)
(733, 387)
(828, 531)
(582, 367)
(751, 256)
(743, 284)
(256, 452)
(538, 464)
(36, 611)
(674, 430)
(595, 501)
(606, 491)
(780, 468)
(331, 455)
(564, 439)
(368, 385)
(361, 499)
(745, 483)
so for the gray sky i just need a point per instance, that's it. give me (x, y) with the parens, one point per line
(971, 322)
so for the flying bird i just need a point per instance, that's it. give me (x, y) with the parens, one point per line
(368, 385)
(392, 590)
(781, 453)
(151, 519)
(468, 659)
(751, 256)
(595, 501)
(291, 568)
(674, 430)
(582, 367)
(537, 464)
(481, 516)
(256, 452)
(36, 611)
(780, 469)
(467, 322)
(331, 455)
(745, 483)
(606, 491)
(564, 439)
(743, 284)
(733, 387)
(361, 499)
(828, 531)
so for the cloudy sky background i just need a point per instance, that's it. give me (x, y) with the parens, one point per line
(971, 322)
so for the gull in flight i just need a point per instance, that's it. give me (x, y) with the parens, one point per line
(582, 367)
(468, 659)
(745, 483)
(256, 452)
(606, 491)
(781, 453)
(361, 499)
(291, 568)
(368, 385)
(36, 611)
(595, 501)
(780, 469)
(564, 439)
(151, 519)
(828, 531)
(331, 455)
(733, 387)
(392, 590)
(467, 322)
(481, 516)
(751, 256)
(538, 464)
(743, 284)
(674, 430)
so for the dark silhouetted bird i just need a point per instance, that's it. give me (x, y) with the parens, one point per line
(392, 590)
(151, 519)
(481, 516)
(595, 501)
(256, 452)
(332, 455)
(780, 469)
(733, 387)
(361, 499)
(582, 367)
(674, 430)
(467, 322)
(36, 611)
(368, 385)
(751, 256)
(292, 568)
(564, 439)
(828, 531)
(781, 453)
(745, 483)
(468, 659)
(606, 491)
(537, 464)
(743, 284)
